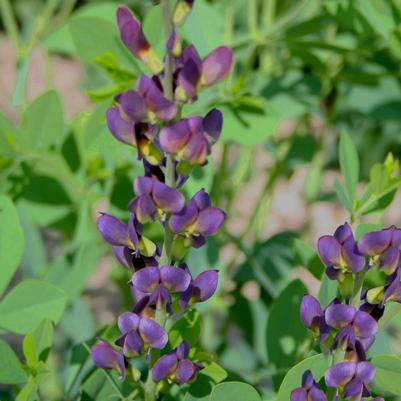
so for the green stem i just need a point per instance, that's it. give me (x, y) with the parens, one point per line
(165, 258)
(357, 289)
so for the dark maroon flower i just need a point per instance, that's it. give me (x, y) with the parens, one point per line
(354, 325)
(175, 366)
(190, 139)
(340, 253)
(383, 247)
(200, 289)
(159, 283)
(139, 333)
(309, 391)
(351, 378)
(197, 220)
(135, 41)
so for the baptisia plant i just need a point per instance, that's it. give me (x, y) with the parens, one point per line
(148, 118)
(346, 329)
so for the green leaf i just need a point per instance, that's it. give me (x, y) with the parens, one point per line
(11, 371)
(214, 371)
(317, 364)
(43, 121)
(11, 241)
(29, 392)
(365, 228)
(388, 373)
(234, 391)
(342, 196)
(285, 332)
(187, 328)
(31, 301)
(328, 291)
(349, 164)
(36, 345)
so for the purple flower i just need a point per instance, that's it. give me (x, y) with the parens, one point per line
(391, 291)
(123, 236)
(384, 247)
(138, 333)
(154, 199)
(351, 378)
(105, 356)
(313, 317)
(190, 139)
(354, 325)
(175, 366)
(159, 283)
(135, 41)
(197, 220)
(309, 391)
(200, 289)
(340, 253)
(193, 73)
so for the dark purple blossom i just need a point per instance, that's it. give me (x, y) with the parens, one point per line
(139, 333)
(339, 252)
(193, 73)
(351, 378)
(353, 325)
(125, 238)
(176, 366)
(384, 247)
(309, 391)
(105, 356)
(154, 199)
(158, 283)
(200, 289)
(197, 220)
(190, 139)
(135, 41)
(313, 317)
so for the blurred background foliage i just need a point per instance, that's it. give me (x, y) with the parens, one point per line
(305, 72)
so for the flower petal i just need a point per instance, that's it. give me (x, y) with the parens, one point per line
(202, 199)
(188, 79)
(389, 260)
(316, 394)
(164, 367)
(143, 185)
(343, 232)
(204, 286)
(152, 333)
(364, 325)
(146, 279)
(212, 125)
(174, 278)
(216, 66)
(196, 149)
(132, 105)
(329, 250)
(128, 321)
(113, 230)
(185, 371)
(354, 259)
(133, 344)
(340, 374)
(339, 315)
(144, 208)
(375, 243)
(179, 222)
(104, 355)
(167, 198)
(174, 137)
(121, 364)
(209, 221)
(365, 371)
(354, 389)
(155, 100)
(182, 350)
(310, 311)
(122, 130)
(299, 394)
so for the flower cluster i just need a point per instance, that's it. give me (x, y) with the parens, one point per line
(346, 328)
(149, 119)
